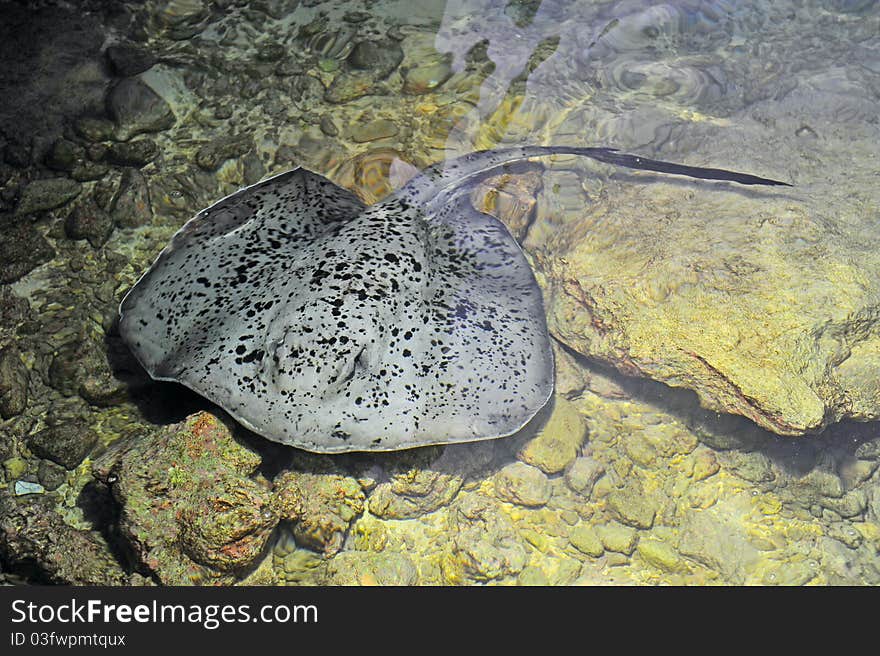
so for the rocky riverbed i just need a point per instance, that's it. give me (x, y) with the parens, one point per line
(717, 348)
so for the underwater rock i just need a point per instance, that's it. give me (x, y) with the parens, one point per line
(558, 442)
(373, 131)
(329, 503)
(33, 534)
(65, 443)
(586, 540)
(190, 510)
(135, 108)
(64, 155)
(349, 85)
(47, 194)
(14, 379)
(414, 493)
(132, 153)
(716, 539)
(213, 154)
(126, 59)
(23, 488)
(22, 249)
(427, 77)
(751, 330)
(131, 207)
(93, 129)
(632, 506)
(661, 555)
(486, 546)
(617, 538)
(522, 484)
(51, 475)
(90, 222)
(752, 466)
(378, 57)
(371, 568)
(583, 474)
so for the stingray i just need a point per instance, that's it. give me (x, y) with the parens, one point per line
(332, 326)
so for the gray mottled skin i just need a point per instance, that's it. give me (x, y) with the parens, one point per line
(331, 326)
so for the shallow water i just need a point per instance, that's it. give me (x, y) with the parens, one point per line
(717, 347)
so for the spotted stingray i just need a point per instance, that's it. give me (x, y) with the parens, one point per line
(320, 322)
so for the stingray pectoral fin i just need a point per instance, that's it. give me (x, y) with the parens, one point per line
(492, 363)
(197, 294)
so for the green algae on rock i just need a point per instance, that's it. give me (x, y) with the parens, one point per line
(191, 509)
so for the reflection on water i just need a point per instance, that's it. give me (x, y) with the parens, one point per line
(717, 347)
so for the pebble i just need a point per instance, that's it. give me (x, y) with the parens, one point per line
(210, 156)
(583, 474)
(65, 444)
(558, 443)
(522, 484)
(47, 194)
(14, 382)
(133, 153)
(617, 537)
(349, 85)
(328, 127)
(93, 129)
(51, 475)
(426, 78)
(22, 250)
(126, 60)
(660, 555)
(633, 506)
(26, 487)
(378, 57)
(64, 155)
(373, 131)
(131, 206)
(135, 108)
(586, 540)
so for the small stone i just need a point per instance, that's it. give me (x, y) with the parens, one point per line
(371, 568)
(522, 484)
(427, 78)
(378, 57)
(532, 575)
(133, 153)
(705, 465)
(94, 129)
(752, 466)
(15, 468)
(90, 222)
(64, 155)
(270, 52)
(213, 154)
(328, 65)
(486, 546)
(583, 474)
(660, 555)
(287, 68)
(86, 171)
(131, 206)
(348, 86)
(852, 504)
(14, 381)
(632, 505)
(558, 443)
(328, 127)
(27, 487)
(126, 60)
(66, 444)
(414, 493)
(51, 475)
(22, 250)
(617, 537)
(47, 194)
(373, 131)
(135, 108)
(586, 540)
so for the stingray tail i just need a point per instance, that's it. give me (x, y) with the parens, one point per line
(436, 179)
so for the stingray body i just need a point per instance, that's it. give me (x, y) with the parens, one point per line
(325, 324)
